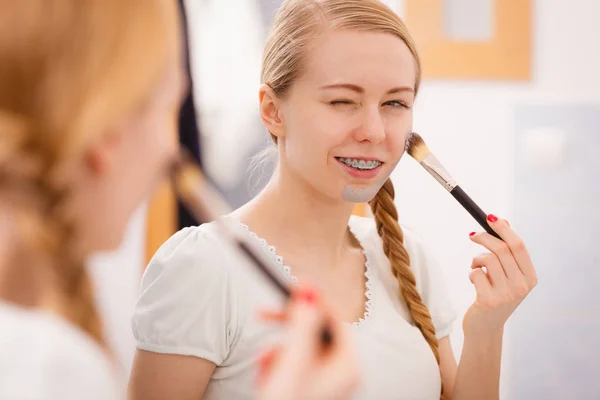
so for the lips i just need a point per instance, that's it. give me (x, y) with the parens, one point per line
(363, 169)
(361, 164)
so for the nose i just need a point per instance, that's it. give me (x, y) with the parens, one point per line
(372, 127)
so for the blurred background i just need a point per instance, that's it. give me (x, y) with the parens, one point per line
(510, 103)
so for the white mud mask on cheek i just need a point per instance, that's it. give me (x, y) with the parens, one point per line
(354, 194)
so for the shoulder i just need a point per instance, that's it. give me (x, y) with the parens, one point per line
(46, 357)
(424, 265)
(189, 243)
(192, 282)
(194, 253)
(422, 262)
(365, 230)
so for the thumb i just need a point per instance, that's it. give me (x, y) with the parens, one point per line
(480, 280)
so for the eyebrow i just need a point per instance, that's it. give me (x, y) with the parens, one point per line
(359, 89)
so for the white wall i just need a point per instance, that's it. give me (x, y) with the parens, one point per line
(117, 276)
(469, 125)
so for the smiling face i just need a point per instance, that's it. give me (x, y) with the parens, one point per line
(344, 122)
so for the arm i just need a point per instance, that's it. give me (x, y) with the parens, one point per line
(158, 376)
(447, 367)
(508, 278)
(182, 318)
(478, 374)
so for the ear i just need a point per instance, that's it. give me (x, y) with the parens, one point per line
(101, 156)
(270, 111)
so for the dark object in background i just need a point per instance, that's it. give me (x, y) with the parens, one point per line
(189, 136)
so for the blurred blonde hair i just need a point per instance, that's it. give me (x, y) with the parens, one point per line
(69, 70)
(297, 24)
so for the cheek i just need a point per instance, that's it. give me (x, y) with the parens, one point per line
(161, 137)
(152, 146)
(318, 130)
(397, 132)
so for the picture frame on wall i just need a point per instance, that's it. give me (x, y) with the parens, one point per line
(503, 54)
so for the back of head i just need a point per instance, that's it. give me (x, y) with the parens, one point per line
(297, 25)
(70, 69)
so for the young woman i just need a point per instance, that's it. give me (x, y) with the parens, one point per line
(89, 94)
(339, 81)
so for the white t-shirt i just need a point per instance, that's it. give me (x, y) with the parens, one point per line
(43, 357)
(199, 298)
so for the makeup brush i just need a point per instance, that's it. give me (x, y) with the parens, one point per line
(417, 149)
(206, 204)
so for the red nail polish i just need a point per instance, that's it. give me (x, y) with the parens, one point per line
(265, 359)
(472, 234)
(492, 218)
(307, 295)
(264, 365)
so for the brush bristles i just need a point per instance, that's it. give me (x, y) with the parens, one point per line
(416, 147)
(188, 177)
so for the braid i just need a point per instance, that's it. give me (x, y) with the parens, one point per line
(386, 218)
(74, 283)
(45, 233)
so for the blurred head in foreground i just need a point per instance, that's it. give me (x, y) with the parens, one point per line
(89, 98)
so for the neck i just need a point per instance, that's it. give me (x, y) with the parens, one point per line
(26, 279)
(19, 284)
(300, 220)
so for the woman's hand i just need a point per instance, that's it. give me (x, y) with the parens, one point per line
(301, 368)
(508, 278)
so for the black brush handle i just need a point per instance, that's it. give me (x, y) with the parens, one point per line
(197, 205)
(326, 335)
(473, 209)
(264, 269)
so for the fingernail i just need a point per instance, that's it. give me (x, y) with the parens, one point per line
(307, 295)
(264, 363)
(265, 360)
(492, 218)
(472, 234)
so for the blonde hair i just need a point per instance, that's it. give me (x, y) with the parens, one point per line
(69, 70)
(296, 25)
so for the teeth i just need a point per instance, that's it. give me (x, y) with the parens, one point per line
(360, 164)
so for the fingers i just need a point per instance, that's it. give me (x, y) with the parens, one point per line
(337, 367)
(341, 355)
(265, 364)
(495, 272)
(508, 255)
(301, 364)
(502, 251)
(516, 246)
(302, 339)
(481, 282)
(272, 316)
(283, 371)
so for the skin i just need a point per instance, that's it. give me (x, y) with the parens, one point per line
(127, 163)
(114, 175)
(354, 99)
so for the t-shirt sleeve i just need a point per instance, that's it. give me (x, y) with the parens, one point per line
(187, 304)
(430, 284)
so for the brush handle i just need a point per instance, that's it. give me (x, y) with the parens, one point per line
(204, 202)
(473, 209)
(326, 336)
(263, 268)
(195, 206)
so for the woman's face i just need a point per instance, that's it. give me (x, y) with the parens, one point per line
(346, 119)
(130, 164)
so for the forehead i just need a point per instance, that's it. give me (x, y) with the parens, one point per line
(373, 60)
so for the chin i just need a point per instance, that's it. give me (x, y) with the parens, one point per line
(106, 243)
